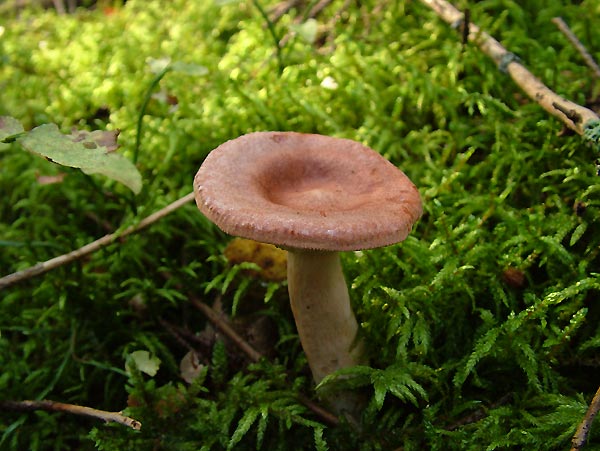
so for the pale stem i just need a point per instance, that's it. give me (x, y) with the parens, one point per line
(321, 307)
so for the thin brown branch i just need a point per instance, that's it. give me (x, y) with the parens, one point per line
(283, 8)
(479, 414)
(54, 406)
(43, 267)
(59, 5)
(222, 324)
(319, 411)
(320, 6)
(587, 56)
(581, 435)
(176, 334)
(574, 116)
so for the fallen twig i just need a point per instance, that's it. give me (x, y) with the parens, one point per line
(578, 118)
(226, 329)
(479, 414)
(587, 57)
(43, 267)
(320, 6)
(254, 355)
(54, 406)
(581, 435)
(278, 11)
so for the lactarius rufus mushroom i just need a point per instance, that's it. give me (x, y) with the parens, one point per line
(314, 196)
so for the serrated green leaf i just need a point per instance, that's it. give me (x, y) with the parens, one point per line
(244, 425)
(320, 443)
(396, 380)
(482, 348)
(262, 426)
(359, 376)
(578, 233)
(380, 390)
(219, 361)
(87, 151)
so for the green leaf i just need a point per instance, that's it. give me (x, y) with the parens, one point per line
(244, 425)
(262, 426)
(306, 30)
(320, 443)
(144, 362)
(482, 348)
(92, 152)
(578, 233)
(397, 380)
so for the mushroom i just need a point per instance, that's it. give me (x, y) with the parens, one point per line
(314, 196)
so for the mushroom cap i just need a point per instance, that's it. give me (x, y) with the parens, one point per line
(306, 191)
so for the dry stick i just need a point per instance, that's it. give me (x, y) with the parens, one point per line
(283, 8)
(581, 436)
(574, 116)
(43, 267)
(587, 57)
(320, 6)
(479, 414)
(226, 329)
(254, 355)
(53, 406)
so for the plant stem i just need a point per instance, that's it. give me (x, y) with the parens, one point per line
(140, 121)
(581, 436)
(43, 267)
(272, 32)
(12, 138)
(226, 329)
(587, 57)
(54, 406)
(574, 116)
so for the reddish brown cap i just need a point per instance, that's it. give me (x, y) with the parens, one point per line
(306, 191)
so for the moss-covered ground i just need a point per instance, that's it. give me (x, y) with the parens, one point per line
(482, 327)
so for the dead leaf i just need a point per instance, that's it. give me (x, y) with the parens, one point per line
(190, 367)
(50, 179)
(271, 259)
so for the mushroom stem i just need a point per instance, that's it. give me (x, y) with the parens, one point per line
(321, 307)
